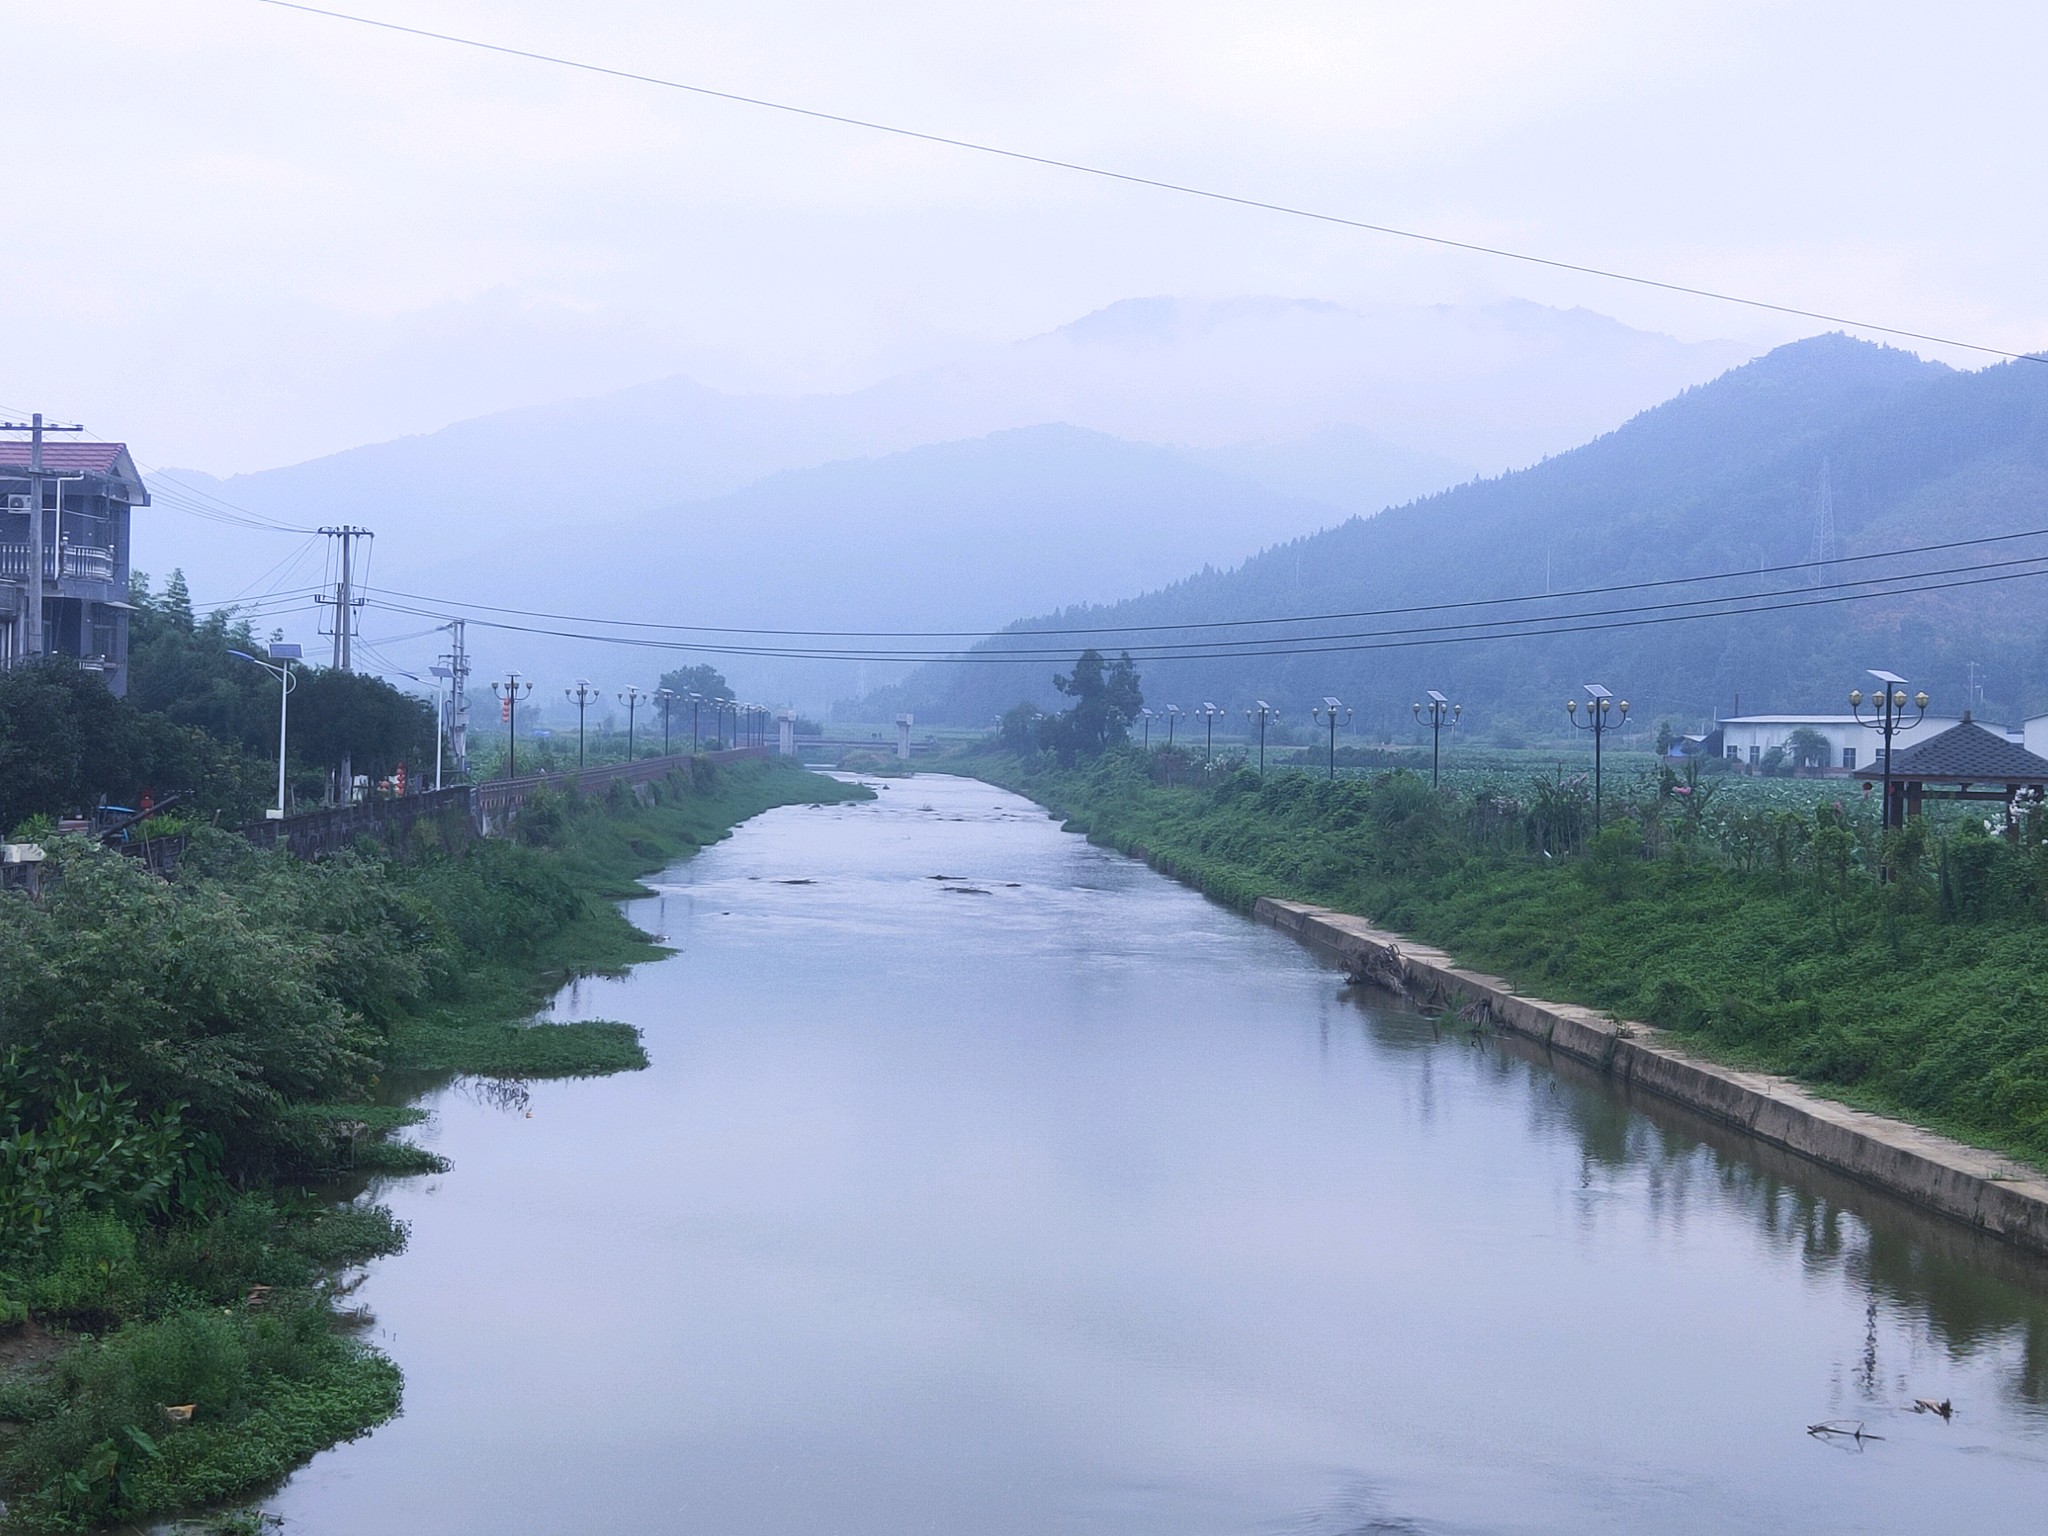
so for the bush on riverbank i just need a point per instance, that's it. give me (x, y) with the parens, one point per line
(1768, 945)
(179, 1059)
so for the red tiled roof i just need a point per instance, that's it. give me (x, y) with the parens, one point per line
(68, 457)
(96, 458)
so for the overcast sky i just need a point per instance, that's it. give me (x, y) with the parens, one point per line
(240, 236)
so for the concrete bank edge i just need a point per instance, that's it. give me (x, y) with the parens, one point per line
(1991, 1193)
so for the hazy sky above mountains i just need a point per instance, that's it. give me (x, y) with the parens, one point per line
(245, 236)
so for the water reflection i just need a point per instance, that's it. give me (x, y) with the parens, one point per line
(1970, 1294)
(1082, 1205)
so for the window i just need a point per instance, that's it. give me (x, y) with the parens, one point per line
(1735, 754)
(1848, 757)
(1755, 752)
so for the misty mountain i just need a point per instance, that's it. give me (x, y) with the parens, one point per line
(961, 534)
(1359, 407)
(1727, 476)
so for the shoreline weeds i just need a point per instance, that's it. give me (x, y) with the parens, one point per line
(488, 1028)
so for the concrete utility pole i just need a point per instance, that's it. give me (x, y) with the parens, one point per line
(457, 663)
(345, 601)
(35, 426)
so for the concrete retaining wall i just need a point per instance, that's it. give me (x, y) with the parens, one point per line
(1991, 1193)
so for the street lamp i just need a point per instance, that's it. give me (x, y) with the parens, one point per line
(1327, 710)
(508, 706)
(581, 695)
(1888, 717)
(1172, 713)
(1598, 702)
(631, 699)
(696, 699)
(666, 697)
(284, 655)
(1262, 712)
(1440, 710)
(1209, 712)
(1146, 716)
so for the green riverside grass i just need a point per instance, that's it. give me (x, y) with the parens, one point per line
(1763, 940)
(215, 1283)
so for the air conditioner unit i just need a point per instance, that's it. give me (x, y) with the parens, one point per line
(18, 504)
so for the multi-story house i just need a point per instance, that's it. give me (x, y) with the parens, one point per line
(87, 491)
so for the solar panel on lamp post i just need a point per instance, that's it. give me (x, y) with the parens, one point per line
(1439, 709)
(1598, 703)
(1327, 710)
(1887, 717)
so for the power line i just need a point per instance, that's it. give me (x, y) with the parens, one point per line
(1157, 184)
(1308, 645)
(1185, 626)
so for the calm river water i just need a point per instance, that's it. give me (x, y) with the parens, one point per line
(1074, 1203)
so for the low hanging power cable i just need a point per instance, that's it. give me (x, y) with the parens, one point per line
(1158, 184)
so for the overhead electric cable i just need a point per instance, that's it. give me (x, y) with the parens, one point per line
(1188, 625)
(1128, 178)
(1309, 645)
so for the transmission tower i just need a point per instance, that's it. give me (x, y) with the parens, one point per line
(1822, 553)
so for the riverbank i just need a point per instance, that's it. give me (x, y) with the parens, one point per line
(1875, 997)
(187, 1064)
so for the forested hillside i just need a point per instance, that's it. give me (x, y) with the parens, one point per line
(1726, 477)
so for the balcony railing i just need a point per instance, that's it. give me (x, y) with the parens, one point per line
(81, 562)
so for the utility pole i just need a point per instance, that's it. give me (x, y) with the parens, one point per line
(35, 426)
(457, 663)
(345, 602)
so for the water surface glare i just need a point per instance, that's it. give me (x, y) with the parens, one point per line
(1054, 1198)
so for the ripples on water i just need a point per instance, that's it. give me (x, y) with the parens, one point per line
(1052, 1198)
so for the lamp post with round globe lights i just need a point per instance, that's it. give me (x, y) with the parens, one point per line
(581, 696)
(1172, 712)
(631, 699)
(1887, 705)
(1328, 711)
(1441, 712)
(1209, 714)
(1262, 712)
(1599, 703)
(1146, 716)
(509, 695)
(666, 698)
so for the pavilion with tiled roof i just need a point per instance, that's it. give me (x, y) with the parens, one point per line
(1970, 762)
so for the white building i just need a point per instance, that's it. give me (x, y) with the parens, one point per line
(1746, 738)
(2034, 735)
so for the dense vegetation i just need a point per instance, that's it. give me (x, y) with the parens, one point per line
(187, 1065)
(1725, 477)
(1754, 926)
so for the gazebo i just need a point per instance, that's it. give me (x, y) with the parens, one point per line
(1969, 762)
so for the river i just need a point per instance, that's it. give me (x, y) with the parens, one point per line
(1054, 1198)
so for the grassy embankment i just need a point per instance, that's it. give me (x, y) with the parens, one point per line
(1760, 936)
(186, 1067)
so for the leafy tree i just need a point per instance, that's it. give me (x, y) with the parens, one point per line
(1106, 698)
(1019, 727)
(703, 679)
(1807, 748)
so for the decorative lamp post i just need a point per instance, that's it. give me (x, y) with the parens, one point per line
(1172, 713)
(1146, 716)
(508, 706)
(631, 699)
(696, 700)
(1599, 703)
(581, 695)
(1262, 712)
(1327, 710)
(666, 697)
(1441, 710)
(1887, 705)
(1209, 712)
(279, 666)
